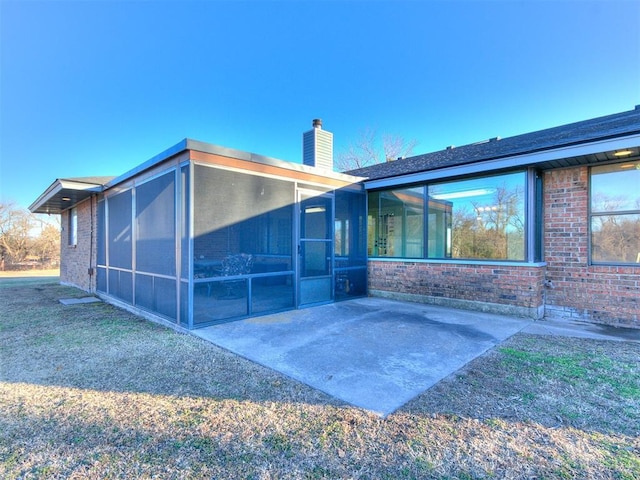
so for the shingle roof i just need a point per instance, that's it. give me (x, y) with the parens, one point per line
(601, 128)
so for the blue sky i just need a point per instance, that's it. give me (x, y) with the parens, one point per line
(96, 88)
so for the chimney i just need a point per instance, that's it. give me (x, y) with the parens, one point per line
(317, 147)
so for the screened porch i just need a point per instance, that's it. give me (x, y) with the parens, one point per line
(201, 243)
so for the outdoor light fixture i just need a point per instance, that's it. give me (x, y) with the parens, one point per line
(66, 199)
(623, 153)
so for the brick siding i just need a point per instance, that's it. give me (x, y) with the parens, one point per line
(568, 287)
(599, 294)
(515, 286)
(75, 261)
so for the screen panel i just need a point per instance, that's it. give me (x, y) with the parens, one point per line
(155, 222)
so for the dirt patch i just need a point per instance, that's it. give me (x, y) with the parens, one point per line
(91, 391)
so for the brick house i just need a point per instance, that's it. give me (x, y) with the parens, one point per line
(545, 224)
(541, 224)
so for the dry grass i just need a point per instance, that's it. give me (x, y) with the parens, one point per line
(51, 272)
(90, 391)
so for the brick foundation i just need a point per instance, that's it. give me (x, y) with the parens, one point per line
(495, 288)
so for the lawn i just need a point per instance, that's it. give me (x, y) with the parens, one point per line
(91, 391)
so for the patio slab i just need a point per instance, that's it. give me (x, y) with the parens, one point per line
(373, 353)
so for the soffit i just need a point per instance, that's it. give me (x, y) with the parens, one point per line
(65, 193)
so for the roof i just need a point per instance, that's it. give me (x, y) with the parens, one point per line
(579, 133)
(64, 193)
(196, 145)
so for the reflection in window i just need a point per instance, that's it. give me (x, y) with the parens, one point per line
(481, 218)
(73, 227)
(615, 213)
(396, 223)
(487, 218)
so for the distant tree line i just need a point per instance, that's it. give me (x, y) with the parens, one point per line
(26, 241)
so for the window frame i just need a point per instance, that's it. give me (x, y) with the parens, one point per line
(403, 243)
(532, 235)
(591, 215)
(72, 227)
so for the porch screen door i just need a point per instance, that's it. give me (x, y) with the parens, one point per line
(315, 248)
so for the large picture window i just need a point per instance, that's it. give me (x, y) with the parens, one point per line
(480, 218)
(476, 219)
(615, 213)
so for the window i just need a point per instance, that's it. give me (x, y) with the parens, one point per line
(477, 219)
(480, 218)
(73, 227)
(396, 223)
(615, 213)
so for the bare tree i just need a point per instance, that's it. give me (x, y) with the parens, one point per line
(15, 225)
(491, 231)
(369, 150)
(22, 238)
(46, 246)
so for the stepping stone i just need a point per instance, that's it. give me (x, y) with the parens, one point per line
(75, 301)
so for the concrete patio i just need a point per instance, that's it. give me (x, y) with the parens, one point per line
(373, 353)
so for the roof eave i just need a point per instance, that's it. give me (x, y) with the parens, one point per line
(514, 161)
(52, 201)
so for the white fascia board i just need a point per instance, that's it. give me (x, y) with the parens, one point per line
(75, 185)
(63, 184)
(49, 193)
(524, 160)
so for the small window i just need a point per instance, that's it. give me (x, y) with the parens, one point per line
(73, 227)
(615, 213)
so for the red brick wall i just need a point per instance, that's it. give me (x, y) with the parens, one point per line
(600, 294)
(520, 287)
(75, 261)
(574, 289)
